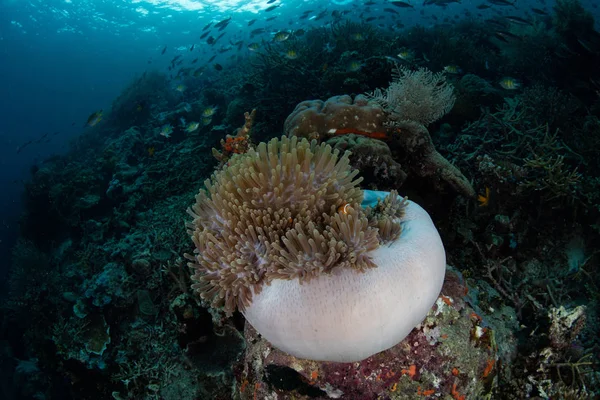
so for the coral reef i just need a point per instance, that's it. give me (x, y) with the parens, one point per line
(99, 302)
(140, 99)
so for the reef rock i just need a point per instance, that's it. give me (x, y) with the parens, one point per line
(372, 158)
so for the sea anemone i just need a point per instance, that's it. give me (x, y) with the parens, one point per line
(280, 235)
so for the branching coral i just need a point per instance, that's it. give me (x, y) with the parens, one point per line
(548, 105)
(551, 176)
(289, 209)
(421, 96)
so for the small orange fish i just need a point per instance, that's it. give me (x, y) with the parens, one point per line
(344, 208)
(484, 200)
(150, 151)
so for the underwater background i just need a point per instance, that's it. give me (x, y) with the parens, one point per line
(114, 113)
